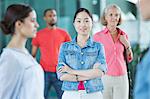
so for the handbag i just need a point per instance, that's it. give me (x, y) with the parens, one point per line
(129, 74)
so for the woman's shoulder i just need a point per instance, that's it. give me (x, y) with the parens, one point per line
(9, 61)
(122, 32)
(15, 57)
(100, 33)
(68, 43)
(8, 54)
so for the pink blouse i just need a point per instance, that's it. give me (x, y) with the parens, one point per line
(114, 52)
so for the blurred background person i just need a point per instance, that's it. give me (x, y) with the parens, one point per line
(48, 40)
(142, 82)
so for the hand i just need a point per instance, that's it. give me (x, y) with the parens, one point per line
(129, 55)
(65, 68)
(97, 66)
(124, 41)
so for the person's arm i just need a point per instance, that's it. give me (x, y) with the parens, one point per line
(129, 54)
(89, 73)
(76, 77)
(34, 50)
(61, 61)
(64, 76)
(72, 77)
(127, 46)
(67, 38)
(99, 68)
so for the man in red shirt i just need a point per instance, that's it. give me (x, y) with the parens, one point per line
(49, 40)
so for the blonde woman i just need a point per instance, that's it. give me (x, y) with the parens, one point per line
(115, 42)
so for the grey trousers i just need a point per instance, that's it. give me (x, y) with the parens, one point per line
(115, 87)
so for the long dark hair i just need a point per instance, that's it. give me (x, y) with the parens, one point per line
(14, 12)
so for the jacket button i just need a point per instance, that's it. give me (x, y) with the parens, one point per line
(81, 53)
(82, 62)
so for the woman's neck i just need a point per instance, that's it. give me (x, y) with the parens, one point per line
(17, 42)
(112, 30)
(81, 40)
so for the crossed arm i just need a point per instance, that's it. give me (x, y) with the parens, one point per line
(70, 74)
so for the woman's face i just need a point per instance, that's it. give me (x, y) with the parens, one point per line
(29, 27)
(112, 16)
(83, 23)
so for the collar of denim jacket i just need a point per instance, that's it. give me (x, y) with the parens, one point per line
(89, 42)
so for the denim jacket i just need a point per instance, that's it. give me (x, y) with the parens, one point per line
(81, 59)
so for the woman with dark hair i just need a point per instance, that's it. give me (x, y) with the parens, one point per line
(82, 61)
(21, 77)
(115, 42)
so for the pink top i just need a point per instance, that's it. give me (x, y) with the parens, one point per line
(114, 52)
(81, 86)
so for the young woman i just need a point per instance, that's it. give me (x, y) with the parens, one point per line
(115, 43)
(21, 77)
(82, 61)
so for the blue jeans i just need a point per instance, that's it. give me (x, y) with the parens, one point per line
(52, 80)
